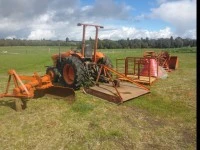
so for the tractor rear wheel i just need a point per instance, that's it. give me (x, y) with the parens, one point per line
(107, 62)
(73, 73)
(103, 76)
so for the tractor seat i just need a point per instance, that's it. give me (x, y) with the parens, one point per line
(88, 52)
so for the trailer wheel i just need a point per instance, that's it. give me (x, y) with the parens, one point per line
(73, 73)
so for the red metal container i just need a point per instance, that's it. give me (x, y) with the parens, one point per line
(150, 68)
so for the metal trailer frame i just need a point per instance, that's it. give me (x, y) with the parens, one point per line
(135, 64)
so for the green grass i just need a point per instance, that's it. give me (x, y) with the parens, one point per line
(27, 59)
(162, 119)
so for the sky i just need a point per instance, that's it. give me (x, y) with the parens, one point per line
(121, 19)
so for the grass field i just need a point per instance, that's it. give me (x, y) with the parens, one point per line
(163, 119)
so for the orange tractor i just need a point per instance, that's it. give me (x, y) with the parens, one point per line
(89, 67)
(73, 69)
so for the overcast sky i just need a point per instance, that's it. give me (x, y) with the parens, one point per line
(57, 19)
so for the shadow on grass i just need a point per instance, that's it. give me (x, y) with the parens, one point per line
(15, 104)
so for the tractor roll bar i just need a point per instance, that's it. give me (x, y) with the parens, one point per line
(83, 38)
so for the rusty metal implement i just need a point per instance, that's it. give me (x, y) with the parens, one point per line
(34, 87)
(116, 91)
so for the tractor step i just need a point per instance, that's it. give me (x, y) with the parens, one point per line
(126, 91)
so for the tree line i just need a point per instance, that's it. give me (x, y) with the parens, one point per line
(43, 42)
(107, 44)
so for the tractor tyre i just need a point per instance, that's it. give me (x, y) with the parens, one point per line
(104, 77)
(53, 73)
(105, 61)
(73, 72)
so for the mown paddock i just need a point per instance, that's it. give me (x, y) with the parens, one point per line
(163, 119)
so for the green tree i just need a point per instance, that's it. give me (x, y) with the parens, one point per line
(178, 42)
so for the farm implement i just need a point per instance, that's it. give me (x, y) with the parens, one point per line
(116, 90)
(147, 69)
(35, 86)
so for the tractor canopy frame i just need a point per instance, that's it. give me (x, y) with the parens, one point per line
(83, 38)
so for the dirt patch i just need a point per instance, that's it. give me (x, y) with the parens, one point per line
(148, 120)
(155, 146)
(154, 122)
(188, 136)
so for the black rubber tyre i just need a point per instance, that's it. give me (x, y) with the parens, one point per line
(105, 61)
(73, 73)
(53, 73)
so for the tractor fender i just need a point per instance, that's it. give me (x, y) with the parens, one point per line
(69, 53)
(55, 57)
(79, 55)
